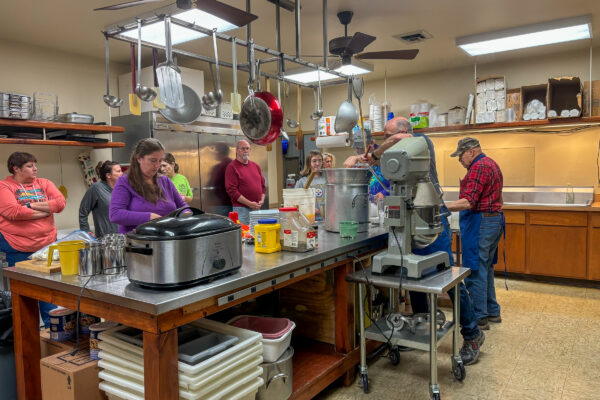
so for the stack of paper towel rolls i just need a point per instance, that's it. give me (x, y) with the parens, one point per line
(341, 140)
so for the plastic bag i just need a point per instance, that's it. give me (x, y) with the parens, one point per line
(42, 254)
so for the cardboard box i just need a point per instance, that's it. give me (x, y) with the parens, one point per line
(564, 93)
(491, 96)
(67, 377)
(595, 98)
(513, 100)
(530, 92)
(49, 347)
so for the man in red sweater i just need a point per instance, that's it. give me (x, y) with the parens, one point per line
(244, 183)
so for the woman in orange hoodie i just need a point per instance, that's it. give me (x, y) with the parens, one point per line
(27, 206)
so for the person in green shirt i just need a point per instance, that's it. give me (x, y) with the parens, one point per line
(169, 167)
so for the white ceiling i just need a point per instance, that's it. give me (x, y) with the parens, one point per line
(71, 26)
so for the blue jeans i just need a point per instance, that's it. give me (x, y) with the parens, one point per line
(481, 282)
(14, 256)
(243, 214)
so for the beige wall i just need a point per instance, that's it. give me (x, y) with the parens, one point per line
(559, 159)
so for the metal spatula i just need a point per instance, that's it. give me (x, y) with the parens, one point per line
(169, 75)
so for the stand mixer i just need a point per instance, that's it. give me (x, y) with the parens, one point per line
(414, 218)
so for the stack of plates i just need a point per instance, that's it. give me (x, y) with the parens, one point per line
(272, 213)
(15, 106)
(233, 373)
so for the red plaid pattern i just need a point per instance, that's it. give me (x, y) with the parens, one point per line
(482, 186)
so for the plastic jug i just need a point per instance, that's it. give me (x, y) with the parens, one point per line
(266, 236)
(68, 252)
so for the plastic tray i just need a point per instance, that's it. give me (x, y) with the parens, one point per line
(270, 328)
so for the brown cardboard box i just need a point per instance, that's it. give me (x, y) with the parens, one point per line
(595, 98)
(67, 377)
(564, 93)
(530, 92)
(49, 347)
(513, 100)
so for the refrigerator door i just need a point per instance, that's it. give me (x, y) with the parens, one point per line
(184, 146)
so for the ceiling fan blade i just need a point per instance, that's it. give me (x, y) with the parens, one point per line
(389, 55)
(127, 4)
(358, 42)
(226, 12)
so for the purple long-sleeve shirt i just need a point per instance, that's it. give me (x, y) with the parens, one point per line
(128, 209)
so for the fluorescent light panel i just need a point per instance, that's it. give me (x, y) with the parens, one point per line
(309, 76)
(352, 70)
(155, 32)
(560, 31)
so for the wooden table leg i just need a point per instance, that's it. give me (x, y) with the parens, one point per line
(161, 378)
(26, 323)
(344, 315)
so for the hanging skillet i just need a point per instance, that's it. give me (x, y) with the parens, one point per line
(261, 116)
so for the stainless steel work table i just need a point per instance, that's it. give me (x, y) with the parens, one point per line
(433, 285)
(159, 313)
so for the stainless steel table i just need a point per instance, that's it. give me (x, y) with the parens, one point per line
(433, 285)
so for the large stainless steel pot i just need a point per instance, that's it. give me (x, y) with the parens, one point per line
(277, 377)
(183, 250)
(347, 197)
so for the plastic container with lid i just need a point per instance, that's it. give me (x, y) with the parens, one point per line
(297, 233)
(266, 236)
(62, 324)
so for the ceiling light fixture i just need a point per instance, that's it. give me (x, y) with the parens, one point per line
(307, 75)
(154, 32)
(352, 67)
(558, 31)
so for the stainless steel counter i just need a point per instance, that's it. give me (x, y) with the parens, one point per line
(256, 268)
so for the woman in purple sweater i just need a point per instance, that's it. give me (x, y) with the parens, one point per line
(141, 194)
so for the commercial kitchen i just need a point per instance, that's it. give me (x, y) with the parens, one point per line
(297, 199)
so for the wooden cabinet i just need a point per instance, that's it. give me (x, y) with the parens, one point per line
(513, 243)
(594, 247)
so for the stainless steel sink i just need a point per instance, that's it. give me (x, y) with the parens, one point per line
(549, 196)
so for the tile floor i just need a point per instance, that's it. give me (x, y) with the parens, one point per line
(546, 347)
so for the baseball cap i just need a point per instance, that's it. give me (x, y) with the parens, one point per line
(465, 144)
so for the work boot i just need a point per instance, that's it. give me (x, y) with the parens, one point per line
(494, 318)
(483, 324)
(469, 353)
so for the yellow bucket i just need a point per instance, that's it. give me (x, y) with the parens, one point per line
(266, 236)
(68, 253)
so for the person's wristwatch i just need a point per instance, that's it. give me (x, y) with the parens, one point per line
(374, 157)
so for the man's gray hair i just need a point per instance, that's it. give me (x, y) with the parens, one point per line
(404, 125)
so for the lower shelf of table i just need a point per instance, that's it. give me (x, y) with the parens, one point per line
(419, 340)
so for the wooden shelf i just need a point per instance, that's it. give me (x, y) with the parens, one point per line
(8, 126)
(99, 145)
(55, 126)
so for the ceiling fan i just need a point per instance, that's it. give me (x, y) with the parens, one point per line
(347, 47)
(221, 10)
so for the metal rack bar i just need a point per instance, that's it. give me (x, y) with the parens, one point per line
(117, 34)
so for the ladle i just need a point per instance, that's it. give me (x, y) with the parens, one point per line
(145, 93)
(111, 101)
(347, 115)
(318, 101)
(291, 123)
(212, 100)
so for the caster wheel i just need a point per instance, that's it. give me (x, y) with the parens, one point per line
(459, 372)
(394, 356)
(436, 396)
(365, 383)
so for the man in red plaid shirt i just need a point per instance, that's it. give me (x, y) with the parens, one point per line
(481, 226)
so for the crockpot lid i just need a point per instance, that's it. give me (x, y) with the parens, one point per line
(183, 226)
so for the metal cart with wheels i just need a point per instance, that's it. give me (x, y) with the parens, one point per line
(433, 285)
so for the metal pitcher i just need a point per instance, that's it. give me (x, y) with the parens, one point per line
(90, 259)
(113, 254)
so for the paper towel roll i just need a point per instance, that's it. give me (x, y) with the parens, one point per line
(333, 141)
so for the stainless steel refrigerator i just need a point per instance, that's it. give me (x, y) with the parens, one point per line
(202, 151)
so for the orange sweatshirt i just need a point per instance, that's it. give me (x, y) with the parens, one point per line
(22, 233)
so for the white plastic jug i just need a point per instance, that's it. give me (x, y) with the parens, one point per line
(304, 199)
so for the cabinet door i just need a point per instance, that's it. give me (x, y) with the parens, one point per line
(557, 251)
(514, 248)
(594, 261)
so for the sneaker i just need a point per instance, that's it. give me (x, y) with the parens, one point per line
(469, 353)
(494, 318)
(483, 324)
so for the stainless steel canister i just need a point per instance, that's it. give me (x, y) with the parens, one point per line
(90, 259)
(347, 197)
(113, 254)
